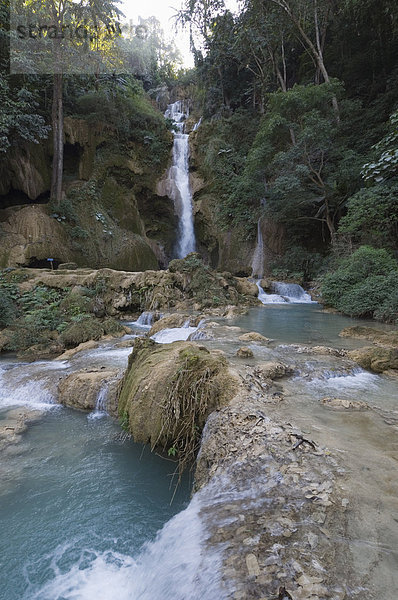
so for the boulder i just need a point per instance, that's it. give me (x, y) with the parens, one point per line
(169, 391)
(374, 358)
(81, 389)
(72, 351)
(253, 336)
(274, 370)
(246, 287)
(377, 336)
(244, 352)
(343, 403)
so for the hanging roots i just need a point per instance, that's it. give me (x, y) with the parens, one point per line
(192, 394)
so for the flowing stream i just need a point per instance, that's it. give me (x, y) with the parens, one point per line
(178, 181)
(86, 516)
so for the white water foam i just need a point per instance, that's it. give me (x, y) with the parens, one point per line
(145, 320)
(30, 389)
(257, 264)
(173, 566)
(291, 293)
(357, 380)
(175, 334)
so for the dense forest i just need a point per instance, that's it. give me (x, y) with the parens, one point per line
(299, 133)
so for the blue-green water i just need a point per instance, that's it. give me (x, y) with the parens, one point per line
(76, 502)
(300, 324)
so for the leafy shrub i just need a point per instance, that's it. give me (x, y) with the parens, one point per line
(82, 331)
(111, 326)
(75, 305)
(372, 215)
(7, 308)
(298, 263)
(364, 285)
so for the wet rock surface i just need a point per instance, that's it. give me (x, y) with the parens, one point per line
(81, 389)
(15, 423)
(276, 512)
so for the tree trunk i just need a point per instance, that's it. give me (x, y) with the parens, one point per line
(58, 140)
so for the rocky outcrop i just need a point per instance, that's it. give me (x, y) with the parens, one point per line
(343, 403)
(15, 423)
(274, 370)
(377, 336)
(376, 359)
(278, 500)
(169, 391)
(244, 352)
(25, 172)
(82, 389)
(253, 336)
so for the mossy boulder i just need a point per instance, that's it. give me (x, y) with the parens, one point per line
(377, 336)
(375, 359)
(169, 391)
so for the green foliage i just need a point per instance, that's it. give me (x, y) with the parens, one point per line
(7, 308)
(124, 421)
(111, 326)
(385, 164)
(364, 285)
(223, 145)
(18, 119)
(131, 114)
(298, 263)
(89, 328)
(298, 165)
(372, 215)
(78, 233)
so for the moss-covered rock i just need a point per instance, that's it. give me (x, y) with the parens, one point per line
(168, 393)
(376, 359)
(377, 336)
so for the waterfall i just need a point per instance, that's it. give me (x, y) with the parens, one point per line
(197, 125)
(258, 256)
(101, 403)
(145, 319)
(283, 293)
(178, 181)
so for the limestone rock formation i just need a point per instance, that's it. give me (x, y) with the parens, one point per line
(375, 358)
(253, 336)
(169, 391)
(81, 389)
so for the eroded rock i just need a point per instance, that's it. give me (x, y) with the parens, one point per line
(81, 389)
(244, 352)
(375, 358)
(167, 387)
(343, 403)
(253, 336)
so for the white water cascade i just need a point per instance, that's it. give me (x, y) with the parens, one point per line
(284, 293)
(258, 256)
(179, 188)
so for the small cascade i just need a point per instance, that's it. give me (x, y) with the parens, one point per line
(197, 125)
(175, 334)
(258, 256)
(284, 293)
(179, 188)
(145, 319)
(101, 403)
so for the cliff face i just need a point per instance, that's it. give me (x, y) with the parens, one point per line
(109, 207)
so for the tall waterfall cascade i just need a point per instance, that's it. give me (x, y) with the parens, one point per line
(179, 188)
(258, 256)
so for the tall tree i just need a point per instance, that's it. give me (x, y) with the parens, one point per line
(66, 44)
(311, 19)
